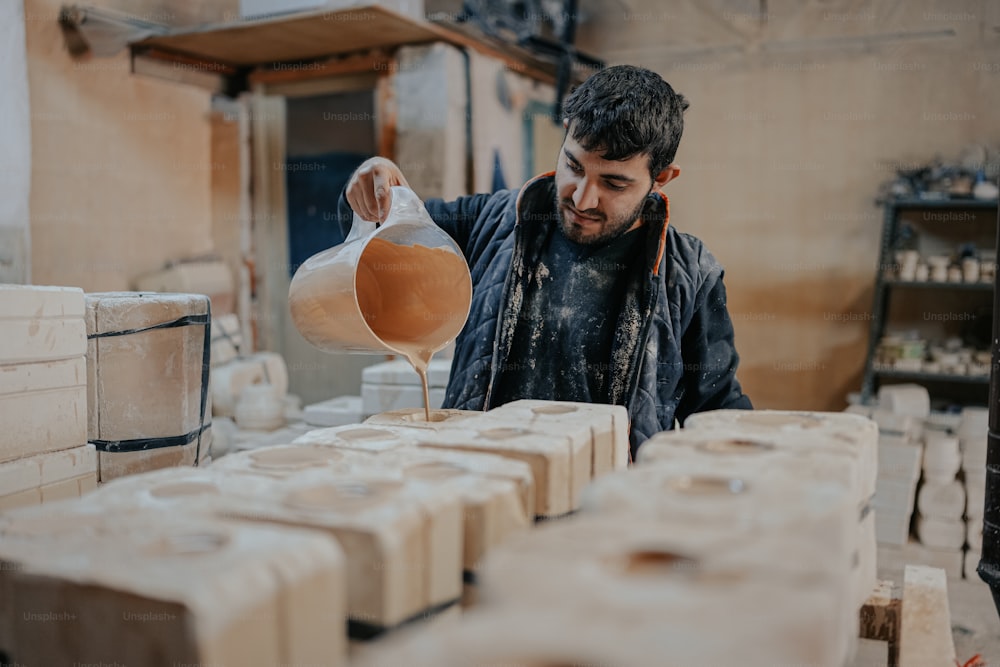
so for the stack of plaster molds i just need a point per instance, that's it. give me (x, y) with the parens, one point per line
(148, 357)
(44, 454)
(82, 585)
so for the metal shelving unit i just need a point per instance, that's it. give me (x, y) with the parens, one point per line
(935, 213)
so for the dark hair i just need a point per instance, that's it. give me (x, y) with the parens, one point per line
(623, 111)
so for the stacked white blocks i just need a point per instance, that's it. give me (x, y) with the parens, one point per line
(662, 557)
(44, 453)
(972, 434)
(900, 454)
(849, 443)
(394, 385)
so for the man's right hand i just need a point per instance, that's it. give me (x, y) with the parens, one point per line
(368, 190)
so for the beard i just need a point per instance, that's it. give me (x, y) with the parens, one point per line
(610, 229)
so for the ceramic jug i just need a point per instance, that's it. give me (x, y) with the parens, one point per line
(401, 287)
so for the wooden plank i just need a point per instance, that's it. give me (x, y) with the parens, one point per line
(925, 629)
(309, 36)
(386, 113)
(378, 60)
(302, 37)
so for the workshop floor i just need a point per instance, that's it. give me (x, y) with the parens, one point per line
(974, 621)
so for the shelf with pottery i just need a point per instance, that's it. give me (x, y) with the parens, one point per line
(929, 249)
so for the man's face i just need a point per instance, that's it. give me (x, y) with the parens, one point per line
(597, 199)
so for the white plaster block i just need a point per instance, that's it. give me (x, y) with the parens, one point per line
(974, 454)
(43, 407)
(145, 384)
(227, 338)
(334, 412)
(376, 398)
(818, 458)
(974, 533)
(559, 464)
(941, 533)
(890, 422)
(147, 588)
(972, 558)
(974, 423)
(609, 426)
(975, 502)
(942, 457)
(674, 573)
(211, 278)
(403, 540)
(851, 434)
(41, 323)
(942, 501)
(892, 527)
(229, 380)
(899, 460)
(895, 495)
(493, 503)
(49, 476)
(401, 372)
(905, 399)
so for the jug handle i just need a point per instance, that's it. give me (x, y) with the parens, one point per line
(360, 228)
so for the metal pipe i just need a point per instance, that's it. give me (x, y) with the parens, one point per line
(989, 563)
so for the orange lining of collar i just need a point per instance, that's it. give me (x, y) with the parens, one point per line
(663, 234)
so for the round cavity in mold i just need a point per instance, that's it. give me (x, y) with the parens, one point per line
(294, 458)
(554, 409)
(417, 416)
(735, 446)
(503, 432)
(183, 489)
(187, 544)
(348, 494)
(657, 562)
(364, 434)
(707, 485)
(435, 470)
(763, 419)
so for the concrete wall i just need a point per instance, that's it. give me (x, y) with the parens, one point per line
(794, 123)
(15, 140)
(121, 164)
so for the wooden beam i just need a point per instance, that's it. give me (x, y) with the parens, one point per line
(386, 116)
(880, 619)
(375, 61)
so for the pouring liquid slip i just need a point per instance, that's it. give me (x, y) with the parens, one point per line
(402, 287)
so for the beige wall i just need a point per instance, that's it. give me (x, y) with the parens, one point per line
(784, 151)
(121, 165)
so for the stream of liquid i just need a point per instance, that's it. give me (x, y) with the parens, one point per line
(414, 298)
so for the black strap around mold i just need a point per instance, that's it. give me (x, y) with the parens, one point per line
(364, 631)
(144, 444)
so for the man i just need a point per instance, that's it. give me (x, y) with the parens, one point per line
(582, 291)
